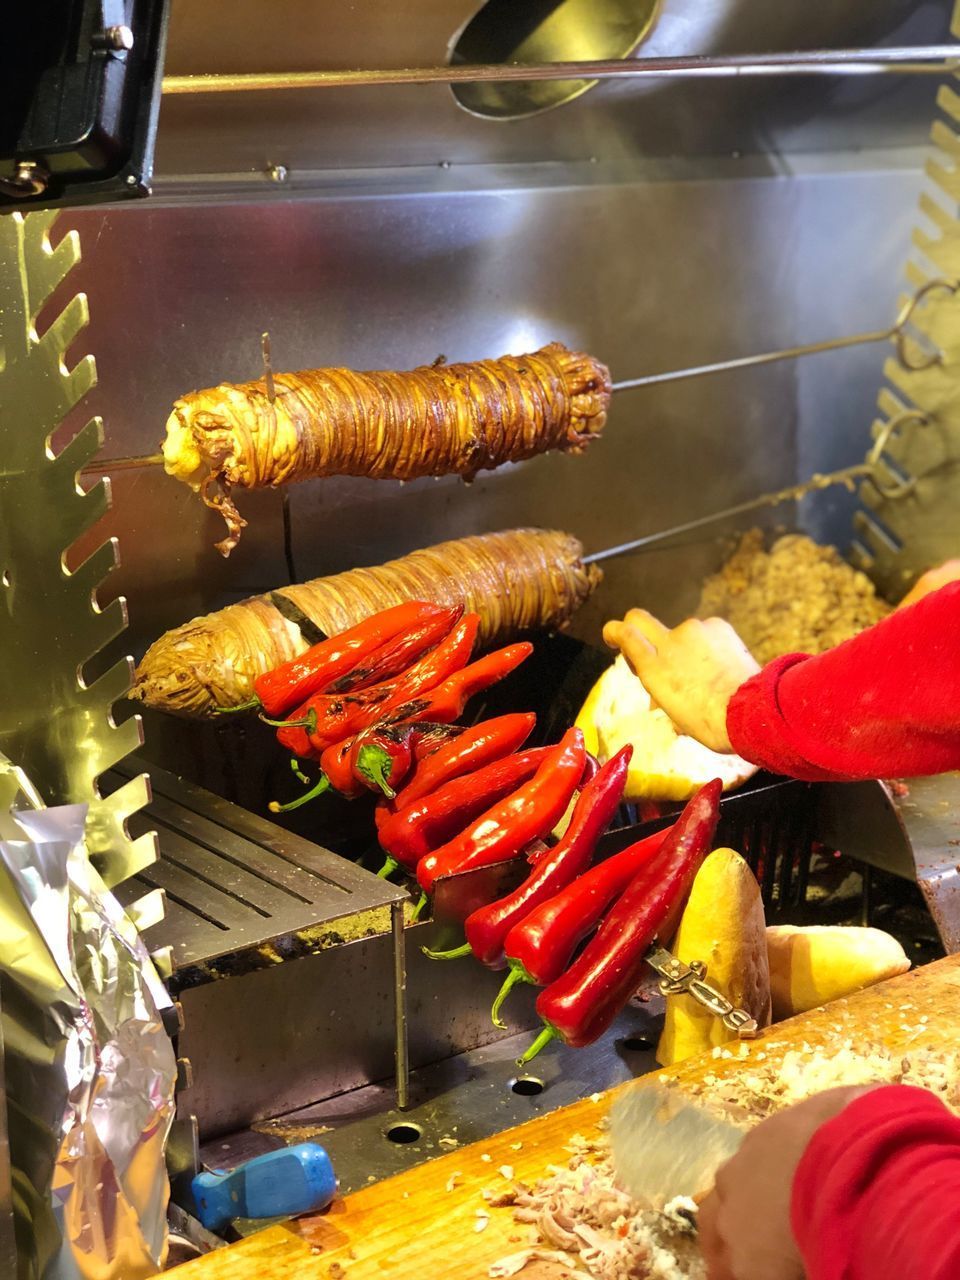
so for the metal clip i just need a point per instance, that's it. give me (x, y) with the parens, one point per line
(677, 978)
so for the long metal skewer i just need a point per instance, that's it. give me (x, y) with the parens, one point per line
(897, 333)
(938, 59)
(869, 469)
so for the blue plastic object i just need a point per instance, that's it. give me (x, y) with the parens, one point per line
(284, 1183)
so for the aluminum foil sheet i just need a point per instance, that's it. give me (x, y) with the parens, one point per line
(90, 1071)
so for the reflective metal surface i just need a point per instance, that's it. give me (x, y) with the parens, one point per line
(8, 1244)
(56, 718)
(459, 1100)
(330, 138)
(649, 276)
(910, 828)
(266, 1042)
(503, 31)
(898, 540)
(234, 881)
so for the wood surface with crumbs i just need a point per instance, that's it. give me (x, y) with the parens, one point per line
(422, 1224)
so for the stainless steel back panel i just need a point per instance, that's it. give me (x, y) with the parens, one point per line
(649, 276)
(8, 1244)
(338, 131)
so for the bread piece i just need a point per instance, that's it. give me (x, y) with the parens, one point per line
(722, 925)
(665, 765)
(811, 966)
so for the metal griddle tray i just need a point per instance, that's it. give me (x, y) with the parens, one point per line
(234, 881)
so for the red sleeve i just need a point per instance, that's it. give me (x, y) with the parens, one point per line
(877, 1193)
(884, 704)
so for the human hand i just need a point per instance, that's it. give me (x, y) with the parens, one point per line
(932, 580)
(691, 671)
(744, 1223)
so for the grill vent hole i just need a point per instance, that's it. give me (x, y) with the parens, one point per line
(527, 1086)
(636, 1044)
(404, 1132)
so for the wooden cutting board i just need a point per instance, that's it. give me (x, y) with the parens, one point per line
(412, 1227)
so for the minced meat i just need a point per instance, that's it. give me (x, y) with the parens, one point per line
(798, 597)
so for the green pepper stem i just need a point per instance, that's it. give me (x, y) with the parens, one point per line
(318, 790)
(250, 705)
(517, 974)
(543, 1039)
(389, 866)
(455, 954)
(421, 903)
(298, 772)
(373, 763)
(309, 722)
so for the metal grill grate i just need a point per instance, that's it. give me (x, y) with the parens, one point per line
(233, 881)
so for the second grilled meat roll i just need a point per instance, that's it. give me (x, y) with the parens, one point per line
(437, 420)
(519, 580)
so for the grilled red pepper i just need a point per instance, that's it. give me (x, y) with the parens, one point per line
(580, 1005)
(487, 928)
(446, 701)
(398, 654)
(383, 755)
(508, 827)
(538, 949)
(337, 769)
(335, 763)
(418, 829)
(470, 750)
(281, 689)
(591, 767)
(329, 717)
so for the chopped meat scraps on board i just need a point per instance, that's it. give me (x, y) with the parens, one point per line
(580, 1212)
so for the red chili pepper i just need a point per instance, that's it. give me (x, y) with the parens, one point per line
(508, 827)
(487, 928)
(398, 654)
(418, 829)
(336, 767)
(337, 771)
(591, 767)
(292, 682)
(538, 949)
(446, 701)
(331, 717)
(472, 749)
(581, 1004)
(383, 755)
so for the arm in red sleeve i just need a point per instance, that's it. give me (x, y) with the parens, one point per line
(884, 704)
(876, 1195)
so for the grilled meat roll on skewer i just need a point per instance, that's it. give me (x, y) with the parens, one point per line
(519, 580)
(437, 420)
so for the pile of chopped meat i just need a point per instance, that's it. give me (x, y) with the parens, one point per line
(588, 1225)
(798, 597)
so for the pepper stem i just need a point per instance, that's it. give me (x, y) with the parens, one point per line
(309, 722)
(250, 705)
(543, 1039)
(298, 772)
(373, 763)
(517, 974)
(390, 865)
(455, 954)
(421, 903)
(318, 790)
